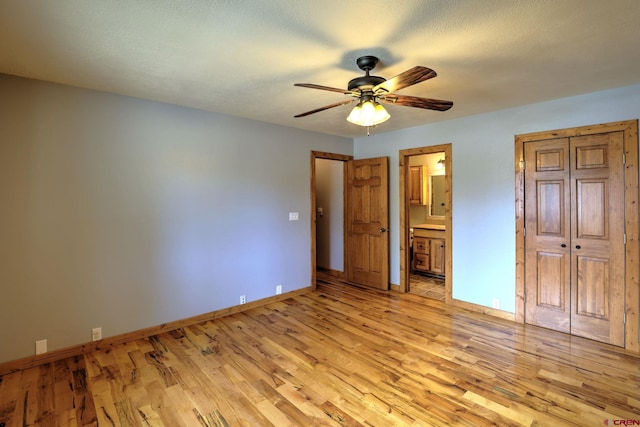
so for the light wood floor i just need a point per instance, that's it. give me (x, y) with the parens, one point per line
(338, 356)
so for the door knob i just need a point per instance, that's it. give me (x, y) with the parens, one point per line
(384, 230)
(564, 245)
(577, 246)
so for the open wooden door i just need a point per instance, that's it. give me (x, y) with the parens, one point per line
(367, 241)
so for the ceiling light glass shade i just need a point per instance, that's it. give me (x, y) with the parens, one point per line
(440, 164)
(368, 113)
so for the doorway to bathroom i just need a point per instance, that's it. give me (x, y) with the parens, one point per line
(425, 221)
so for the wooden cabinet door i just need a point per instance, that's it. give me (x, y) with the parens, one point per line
(367, 261)
(574, 244)
(416, 185)
(436, 249)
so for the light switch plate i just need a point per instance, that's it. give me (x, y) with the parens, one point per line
(96, 334)
(41, 346)
(294, 216)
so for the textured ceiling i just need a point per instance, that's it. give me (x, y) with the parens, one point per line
(242, 57)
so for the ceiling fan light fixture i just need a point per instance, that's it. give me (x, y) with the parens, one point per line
(369, 89)
(368, 112)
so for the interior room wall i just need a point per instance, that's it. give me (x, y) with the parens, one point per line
(124, 213)
(330, 224)
(483, 187)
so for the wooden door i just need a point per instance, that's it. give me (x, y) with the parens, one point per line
(574, 245)
(597, 237)
(547, 241)
(368, 222)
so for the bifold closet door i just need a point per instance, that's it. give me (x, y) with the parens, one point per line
(574, 245)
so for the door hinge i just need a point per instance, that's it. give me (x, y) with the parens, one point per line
(624, 158)
(625, 317)
(625, 238)
(523, 164)
(524, 231)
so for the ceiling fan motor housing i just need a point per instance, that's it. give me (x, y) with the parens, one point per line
(366, 64)
(365, 82)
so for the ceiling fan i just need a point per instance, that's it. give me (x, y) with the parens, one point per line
(368, 90)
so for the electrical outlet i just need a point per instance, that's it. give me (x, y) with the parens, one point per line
(496, 303)
(278, 289)
(41, 346)
(96, 334)
(294, 216)
(243, 299)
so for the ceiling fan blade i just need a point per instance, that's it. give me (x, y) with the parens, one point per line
(414, 101)
(326, 107)
(410, 77)
(331, 89)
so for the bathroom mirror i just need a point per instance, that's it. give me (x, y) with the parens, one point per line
(436, 196)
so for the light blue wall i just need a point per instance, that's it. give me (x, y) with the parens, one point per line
(124, 213)
(483, 188)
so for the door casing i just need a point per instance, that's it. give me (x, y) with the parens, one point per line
(405, 262)
(330, 156)
(313, 223)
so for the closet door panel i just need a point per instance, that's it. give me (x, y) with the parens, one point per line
(597, 237)
(547, 262)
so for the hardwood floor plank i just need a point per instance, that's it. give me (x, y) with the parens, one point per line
(27, 400)
(338, 356)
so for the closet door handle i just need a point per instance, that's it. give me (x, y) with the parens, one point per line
(577, 246)
(564, 245)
